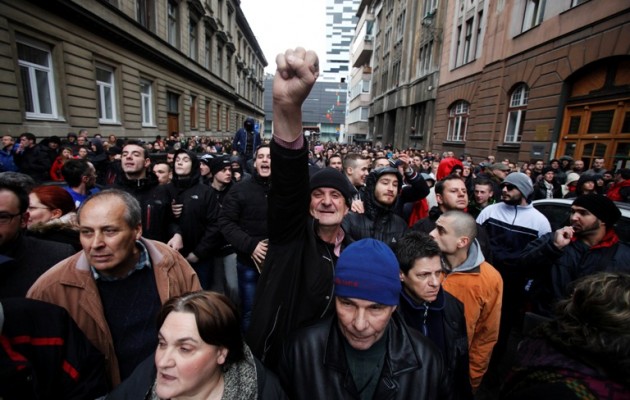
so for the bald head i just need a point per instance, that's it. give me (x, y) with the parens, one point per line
(462, 224)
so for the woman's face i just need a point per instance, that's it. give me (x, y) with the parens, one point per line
(186, 365)
(37, 211)
(83, 152)
(183, 164)
(66, 153)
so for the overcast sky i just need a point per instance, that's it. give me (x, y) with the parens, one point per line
(282, 24)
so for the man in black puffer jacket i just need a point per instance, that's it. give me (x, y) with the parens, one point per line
(382, 188)
(155, 201)
(243, 223)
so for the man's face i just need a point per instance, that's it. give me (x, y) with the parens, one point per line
(483, 193)
(10, 210)
(386, 189)
(81, 141)
(224, 176)
(362, 322)
(445, 236)
(328, 206)
(539, 165)
(499, 173)
(417, 161)
(7, 141)
(380, 163)
(454, 196)
(583, 221)
(163, 173)
(183, 164)
(91, 176)
(24, 142)
(549, 176)
(424, 279)
(262, 163)
(108, 242)
(510, 194)
(358, 174)
(578, 165)
(598, 163)
(170, 157)
(133, 161)
(336, 163)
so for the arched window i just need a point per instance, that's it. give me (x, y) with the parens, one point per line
(516, 114)
(457, 121)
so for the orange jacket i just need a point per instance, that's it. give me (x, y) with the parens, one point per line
(480, 289)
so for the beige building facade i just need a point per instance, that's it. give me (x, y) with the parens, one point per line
(132, 68)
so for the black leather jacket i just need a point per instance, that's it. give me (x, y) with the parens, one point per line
(314, 366)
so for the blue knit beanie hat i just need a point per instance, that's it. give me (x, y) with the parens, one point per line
(368, 270)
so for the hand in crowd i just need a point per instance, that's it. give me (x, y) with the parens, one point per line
(192, 258)
(357, 206)
(177, 209)
(562, 236)
(260, 252)
(176, 242)
(298, 70)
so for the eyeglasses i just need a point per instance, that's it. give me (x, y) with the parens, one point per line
(508, 186)
(5, 218)
(439, 275)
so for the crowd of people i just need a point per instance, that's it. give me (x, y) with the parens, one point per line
(191, 268)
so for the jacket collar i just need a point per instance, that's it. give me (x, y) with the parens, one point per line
(400, 356)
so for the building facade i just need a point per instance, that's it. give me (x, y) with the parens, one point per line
(537, 79)
(132, 68)
(397, 49)
(520, 79)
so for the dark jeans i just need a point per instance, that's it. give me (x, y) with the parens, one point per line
(204, 268)
(247, 280)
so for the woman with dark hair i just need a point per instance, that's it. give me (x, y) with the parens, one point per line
(585, 352)
(52, 215)
(587, 184)
(200, 355)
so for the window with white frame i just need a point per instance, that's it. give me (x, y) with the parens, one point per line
(38, 83)
(146, 97)
(534, 10)
(426, 58)
(467, 39)
(106, 94)
(516, 114)
(457, 122)
(172, 23)
(430, 6)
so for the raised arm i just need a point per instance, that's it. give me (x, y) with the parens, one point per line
(297, 72)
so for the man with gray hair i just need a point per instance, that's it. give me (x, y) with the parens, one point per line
(364, 351)
(114, 288)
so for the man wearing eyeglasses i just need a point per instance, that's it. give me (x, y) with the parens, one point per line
(474, 282)
(22, 258)
(425, 306)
